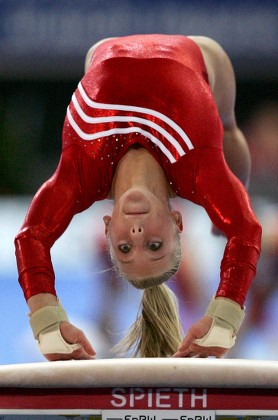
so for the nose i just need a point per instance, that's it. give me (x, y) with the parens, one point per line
(136, 230)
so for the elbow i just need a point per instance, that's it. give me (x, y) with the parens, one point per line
(246, 227)
(252, 231)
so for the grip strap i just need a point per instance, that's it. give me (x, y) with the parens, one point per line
(45, 324)
(227, 317)
(52, 341)
(228, 312)
(46, 317)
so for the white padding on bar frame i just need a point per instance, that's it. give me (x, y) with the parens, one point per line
(169, 372)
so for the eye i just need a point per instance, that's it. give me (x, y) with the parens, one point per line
(125, 248)
(155, 246)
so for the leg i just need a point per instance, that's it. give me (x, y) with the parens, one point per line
(227, 203)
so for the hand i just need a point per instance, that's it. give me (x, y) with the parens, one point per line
(73, 335)
(190, 349)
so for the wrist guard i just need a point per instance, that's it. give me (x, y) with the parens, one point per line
(227, 317)
(45, 324)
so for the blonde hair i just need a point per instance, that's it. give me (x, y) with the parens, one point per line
(157, 330)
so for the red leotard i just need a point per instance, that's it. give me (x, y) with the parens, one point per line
(150, 90)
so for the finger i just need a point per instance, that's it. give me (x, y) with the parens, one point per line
(186, 344)
(76, 355)
(209, 351)
(191, 354)
(185, 348)
(81, 354)
(184, 353)
(201, 352)
(85, 344)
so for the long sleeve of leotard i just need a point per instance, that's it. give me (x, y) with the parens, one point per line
(50, 212)
(227, 203)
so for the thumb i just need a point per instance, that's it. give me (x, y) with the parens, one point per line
(73, 335)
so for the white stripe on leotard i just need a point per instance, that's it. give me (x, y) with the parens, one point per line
(116, 131)
(120, 118)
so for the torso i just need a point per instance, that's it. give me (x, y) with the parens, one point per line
(158, 84)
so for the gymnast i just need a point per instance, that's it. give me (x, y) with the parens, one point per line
(153, 118)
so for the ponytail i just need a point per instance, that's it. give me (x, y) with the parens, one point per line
(156, 331)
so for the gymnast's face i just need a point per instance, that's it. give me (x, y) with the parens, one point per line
(143, 233)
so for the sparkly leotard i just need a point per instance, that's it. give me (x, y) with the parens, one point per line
(150, 90)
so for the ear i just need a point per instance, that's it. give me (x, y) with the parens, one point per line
(178, 219)
(106, 220)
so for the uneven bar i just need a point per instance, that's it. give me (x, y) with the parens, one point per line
(221, 385)
(143, 372)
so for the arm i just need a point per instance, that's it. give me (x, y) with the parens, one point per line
(48, 216)
(223, 197)
(226, 202)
